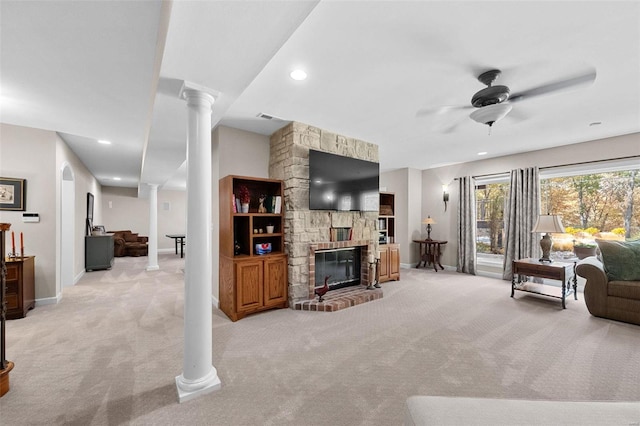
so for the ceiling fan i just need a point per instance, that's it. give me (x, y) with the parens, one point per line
(494, 102)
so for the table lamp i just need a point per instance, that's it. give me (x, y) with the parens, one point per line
(429, 221)
(548, 223)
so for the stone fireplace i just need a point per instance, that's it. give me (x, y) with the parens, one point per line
(308, 231)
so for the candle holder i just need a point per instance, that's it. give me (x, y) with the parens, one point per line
(12, 255)
(373, 273)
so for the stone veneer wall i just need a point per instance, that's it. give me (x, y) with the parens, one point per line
(289, 162)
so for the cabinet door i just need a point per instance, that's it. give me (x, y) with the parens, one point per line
(249, 292)
(384, 263)
(275, 281)
(394, 262)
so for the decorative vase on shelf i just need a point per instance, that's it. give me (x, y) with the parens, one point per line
(244, 207)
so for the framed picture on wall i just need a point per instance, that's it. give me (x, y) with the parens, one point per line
(89, 212)
(13, 194)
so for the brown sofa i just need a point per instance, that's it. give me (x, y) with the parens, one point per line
(613, 299)
(127, 243)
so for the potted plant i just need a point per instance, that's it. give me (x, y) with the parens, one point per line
(245, 198)
(582, 249)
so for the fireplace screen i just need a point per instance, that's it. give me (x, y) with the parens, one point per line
(342, 266)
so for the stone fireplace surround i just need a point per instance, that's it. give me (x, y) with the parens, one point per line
(309, 230)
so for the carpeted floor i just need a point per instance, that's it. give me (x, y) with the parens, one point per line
(109, 353)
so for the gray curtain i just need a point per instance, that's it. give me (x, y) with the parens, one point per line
(466, 225)
(520, 214)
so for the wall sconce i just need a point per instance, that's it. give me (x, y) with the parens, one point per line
(445, 196)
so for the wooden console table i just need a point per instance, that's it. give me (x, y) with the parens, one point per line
(430, 252)
(564, 272)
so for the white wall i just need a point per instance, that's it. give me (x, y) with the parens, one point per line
(433, 179)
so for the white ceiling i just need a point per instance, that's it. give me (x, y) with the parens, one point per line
(378, 71)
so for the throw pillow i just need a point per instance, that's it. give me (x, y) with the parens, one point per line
(621, 260)
(131, 238)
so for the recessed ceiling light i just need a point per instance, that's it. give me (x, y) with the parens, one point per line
(298, 75)
(117, 178)
(595, 123)
(482, 153)
(104, 142)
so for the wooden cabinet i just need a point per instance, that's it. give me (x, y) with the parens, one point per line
(98, 252)
(250, 279)
(389, 249)
(20, 295)
(389, 262)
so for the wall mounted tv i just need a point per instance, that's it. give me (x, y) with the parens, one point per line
(341, 183)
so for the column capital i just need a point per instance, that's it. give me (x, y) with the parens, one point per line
(190, 91)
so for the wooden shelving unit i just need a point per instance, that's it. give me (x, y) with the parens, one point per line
(388, 245)
(249, 281)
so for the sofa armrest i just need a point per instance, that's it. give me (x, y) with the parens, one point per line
(595, 289)
(143, 239)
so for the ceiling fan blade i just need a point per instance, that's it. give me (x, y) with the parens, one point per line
(440, 110)
(586, 78)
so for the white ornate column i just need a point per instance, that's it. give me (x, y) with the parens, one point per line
(199, 376)
(152, 256)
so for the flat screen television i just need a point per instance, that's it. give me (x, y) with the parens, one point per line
(342, 183)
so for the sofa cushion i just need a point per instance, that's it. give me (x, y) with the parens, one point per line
(621, 259)
(624, 289)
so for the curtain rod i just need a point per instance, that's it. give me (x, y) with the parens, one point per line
(561, 165)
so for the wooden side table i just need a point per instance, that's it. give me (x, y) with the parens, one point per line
(430, 252)
(564, 272)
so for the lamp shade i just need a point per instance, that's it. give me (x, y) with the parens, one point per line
(429, 221)
(491, 113)
(548, 223)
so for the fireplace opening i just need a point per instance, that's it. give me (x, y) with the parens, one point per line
(342, 266)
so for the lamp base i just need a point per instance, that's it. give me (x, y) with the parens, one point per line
(545, 245)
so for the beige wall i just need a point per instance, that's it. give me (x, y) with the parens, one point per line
(84, 182)
(43, 189)
(433, 179)
(123, 209)
(233, 152)
(172, 216)
(406, 184)
(242, 153)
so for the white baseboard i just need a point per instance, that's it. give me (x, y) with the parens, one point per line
(49, 300)
(77, 278)
(167, 250)
(215, 302)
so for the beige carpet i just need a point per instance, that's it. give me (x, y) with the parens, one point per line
(109, 353)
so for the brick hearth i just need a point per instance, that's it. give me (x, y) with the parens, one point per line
(341, 298)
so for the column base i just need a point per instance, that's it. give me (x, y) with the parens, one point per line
(153, 268)
(190, 389)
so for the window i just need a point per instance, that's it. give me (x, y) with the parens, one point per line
(594, 202)
(600, 205)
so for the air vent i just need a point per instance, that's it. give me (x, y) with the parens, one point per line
(268, 117)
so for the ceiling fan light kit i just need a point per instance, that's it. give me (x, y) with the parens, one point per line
(491, 113)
